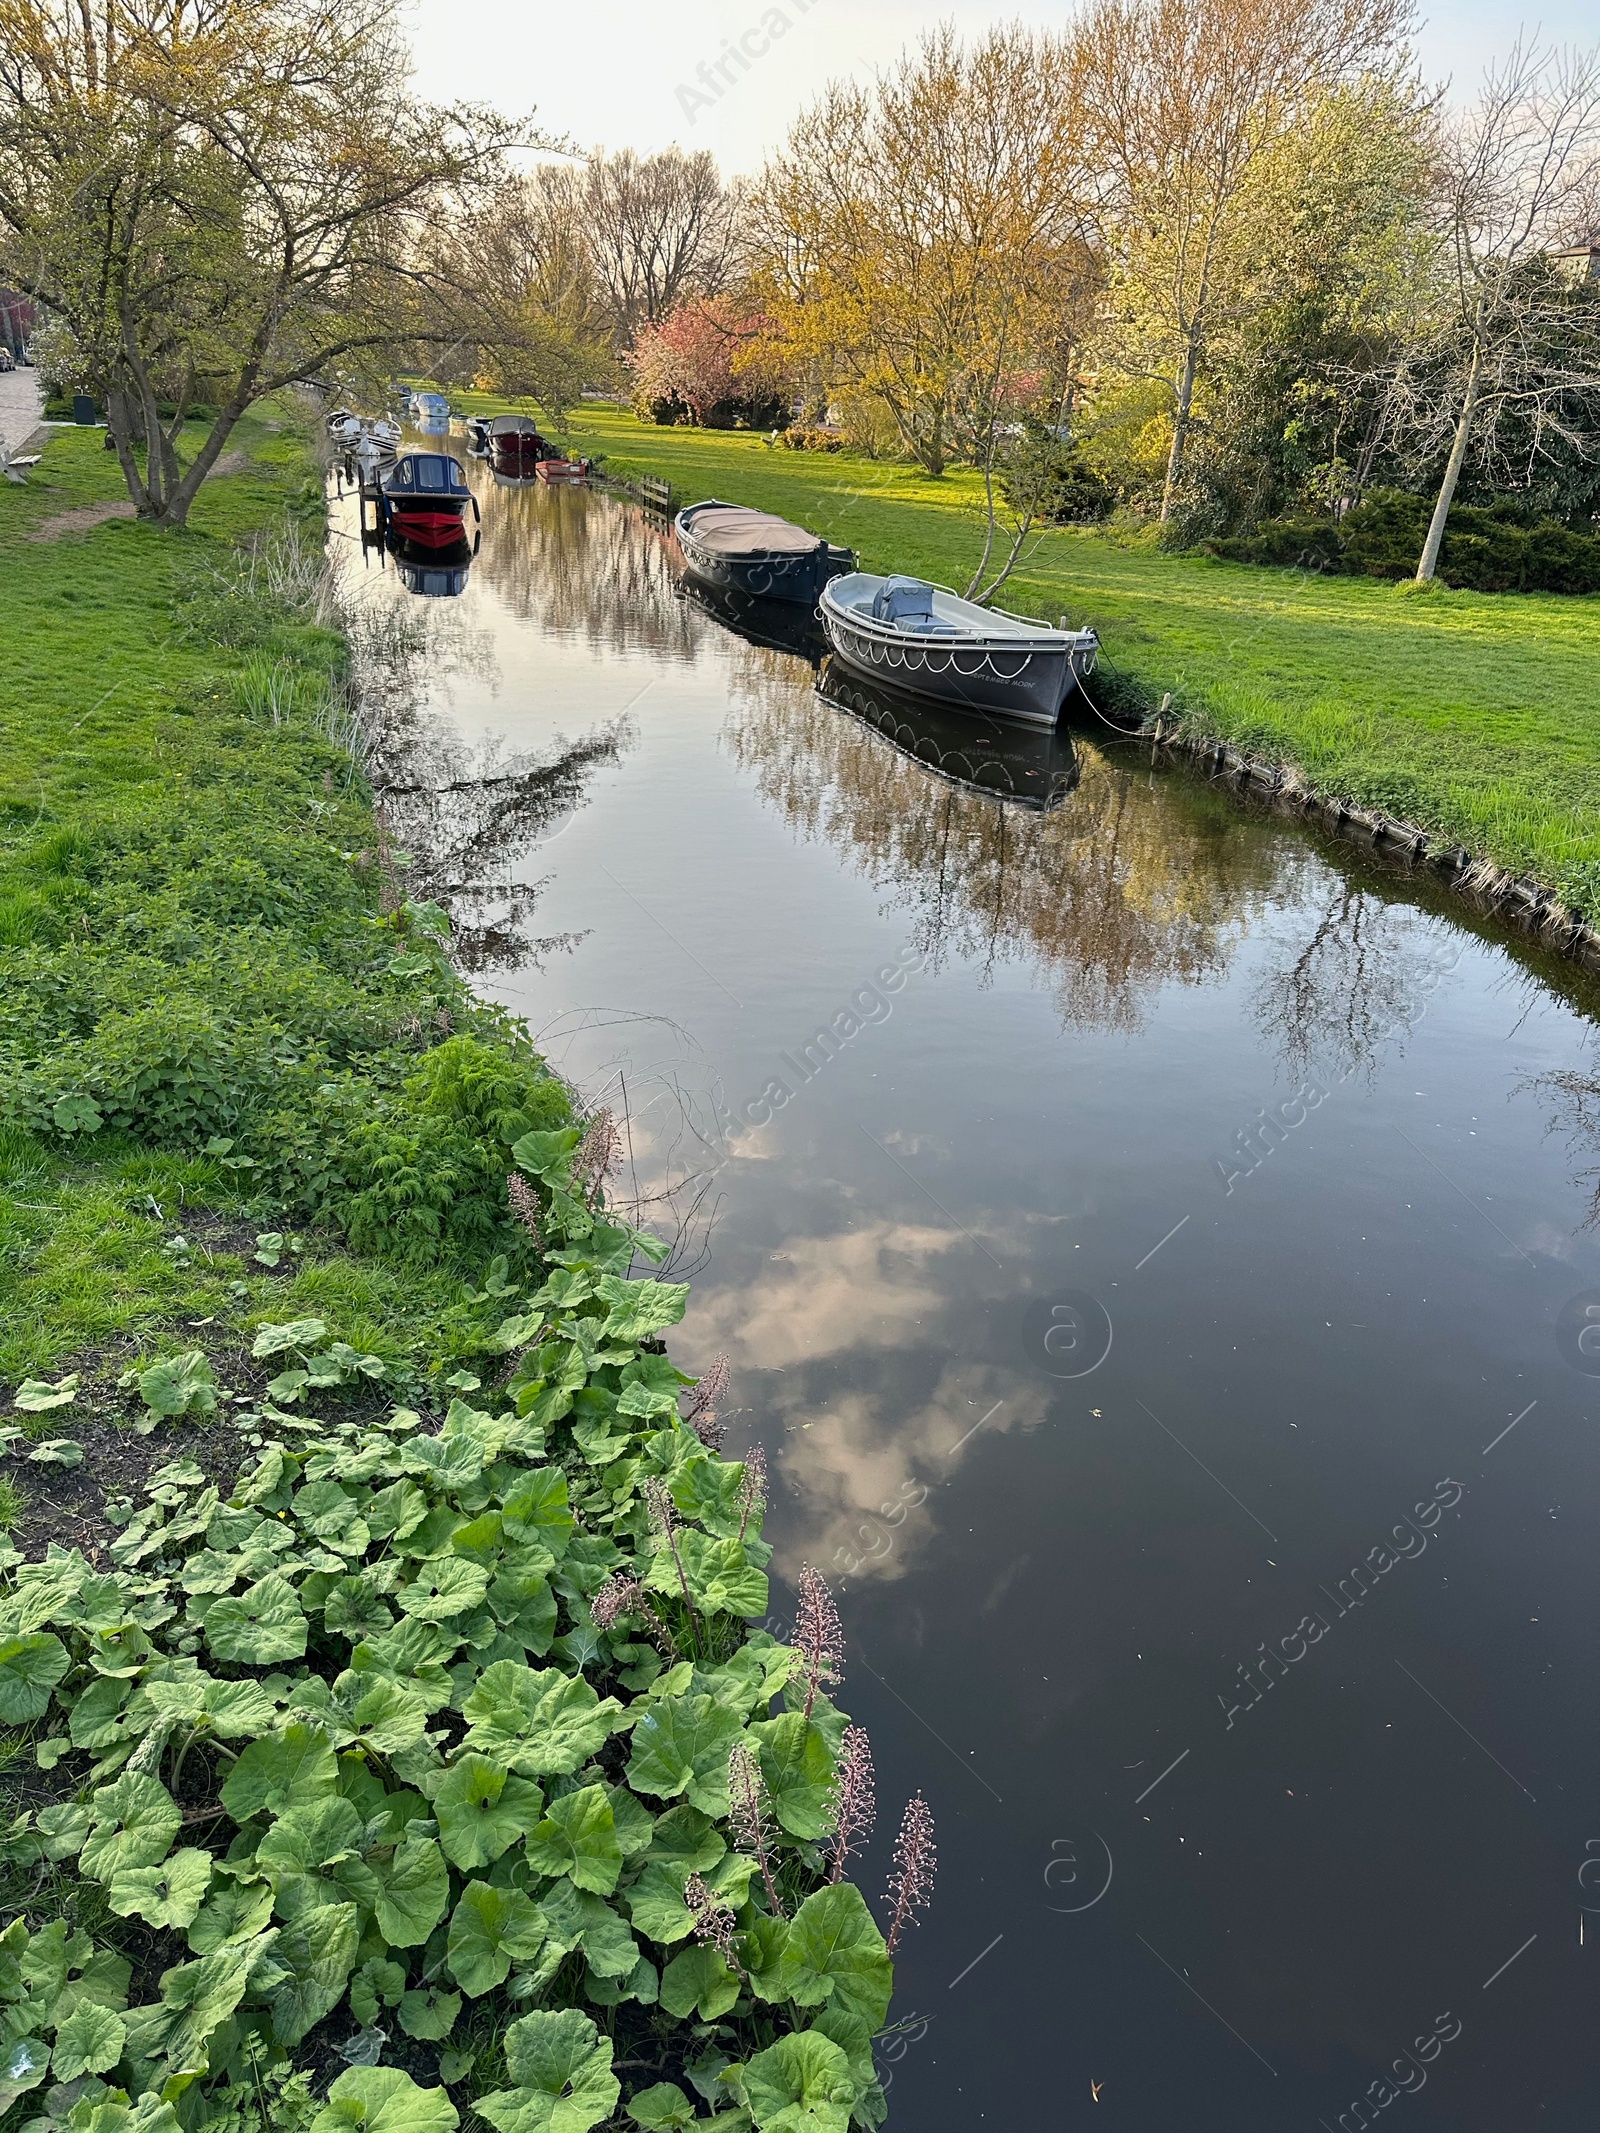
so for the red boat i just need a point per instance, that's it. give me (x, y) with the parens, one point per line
(562, 470)
(517, 445)
(425, 499)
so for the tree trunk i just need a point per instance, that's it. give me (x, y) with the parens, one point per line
(1452, 473)
(1180, 422)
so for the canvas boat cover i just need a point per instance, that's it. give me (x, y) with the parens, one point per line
(729, 529)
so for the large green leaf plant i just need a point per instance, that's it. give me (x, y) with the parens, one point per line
(347, 1750)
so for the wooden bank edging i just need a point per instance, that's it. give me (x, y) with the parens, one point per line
(1517, 899)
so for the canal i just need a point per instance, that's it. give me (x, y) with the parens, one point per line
(1152, 1244)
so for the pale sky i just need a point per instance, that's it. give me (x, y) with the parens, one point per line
(623, 73)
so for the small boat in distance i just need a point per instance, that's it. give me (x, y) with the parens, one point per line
(515, 443)
(425, 499)
(929, 640)
(559, 470)
(757, 553)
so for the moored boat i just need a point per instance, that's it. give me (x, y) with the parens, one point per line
(929, 640)
(516, 443)
(558, 470)
(425, 499)
(756, 552)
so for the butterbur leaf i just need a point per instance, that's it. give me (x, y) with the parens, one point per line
(260, 1627)
(699, 1981)
(801, 2084)
(415, 1893)
(482, 1810)
(835, 1953)
(135, 1821)
(662, 2109)
(179, 1385)
(316, 1955)
(199, 1996)
(168, 1895)
(299, 1333)
(237, 1912)
(22, 2067)
(562, 2068)
(537, 1510)
(291, 1769)
(681, 1746)
(576, 1919)
(57, 1451)
(89, 2041)
(656, 1905)
(429, 2016)
(30, 1667)
(354, 1611)
(35, 1396)
(76, 1114)
(798, 1773)
(62, 1829)
(578, 1838)
(443, 1588)
(721, 1578)
(378, 1983)
(639, 1309)
(546, 1155)
(539, 1722)
(381, 2099)
(490, 1929)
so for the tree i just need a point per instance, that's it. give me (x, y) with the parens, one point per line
(709, 358)
(220, 193)
(659, 229)
(519, 277)
(1514, 336)
(1331, 258)
(1190, 94)
(922, 241)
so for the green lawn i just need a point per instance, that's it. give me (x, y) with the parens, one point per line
(1475, 715)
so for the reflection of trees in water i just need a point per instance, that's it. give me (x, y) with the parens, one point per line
(1575, 1114)
(1127, 884)
(584, 565)
(1360, 976)
(467, 816)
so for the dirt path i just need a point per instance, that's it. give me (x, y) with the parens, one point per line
(79, 521)
(90, 515)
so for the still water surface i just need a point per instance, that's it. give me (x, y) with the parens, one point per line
(1149, 1292)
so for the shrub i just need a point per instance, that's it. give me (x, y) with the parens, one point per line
(804, 440)
(1484, 550)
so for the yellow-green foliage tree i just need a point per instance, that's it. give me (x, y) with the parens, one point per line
(922, 241)
(1190, 95)
(228, 195)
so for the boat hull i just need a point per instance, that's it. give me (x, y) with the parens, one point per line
(1009, 677)
(762, 574)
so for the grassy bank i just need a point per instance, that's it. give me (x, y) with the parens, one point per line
(383, 1735)
(215, 1031)
(1476, 716)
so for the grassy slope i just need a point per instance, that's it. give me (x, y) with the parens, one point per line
(108, 700)
(1474, 715)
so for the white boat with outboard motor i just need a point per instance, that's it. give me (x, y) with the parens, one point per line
(927, 639)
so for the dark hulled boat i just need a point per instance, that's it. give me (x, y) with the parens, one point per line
(425, 499)
(756, 553)
(515, 443)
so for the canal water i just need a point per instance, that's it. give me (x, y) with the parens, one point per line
(1153, 1247)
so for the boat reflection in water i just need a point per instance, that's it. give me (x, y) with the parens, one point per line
(1023, 765)
(774, 625)
(436, 573)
